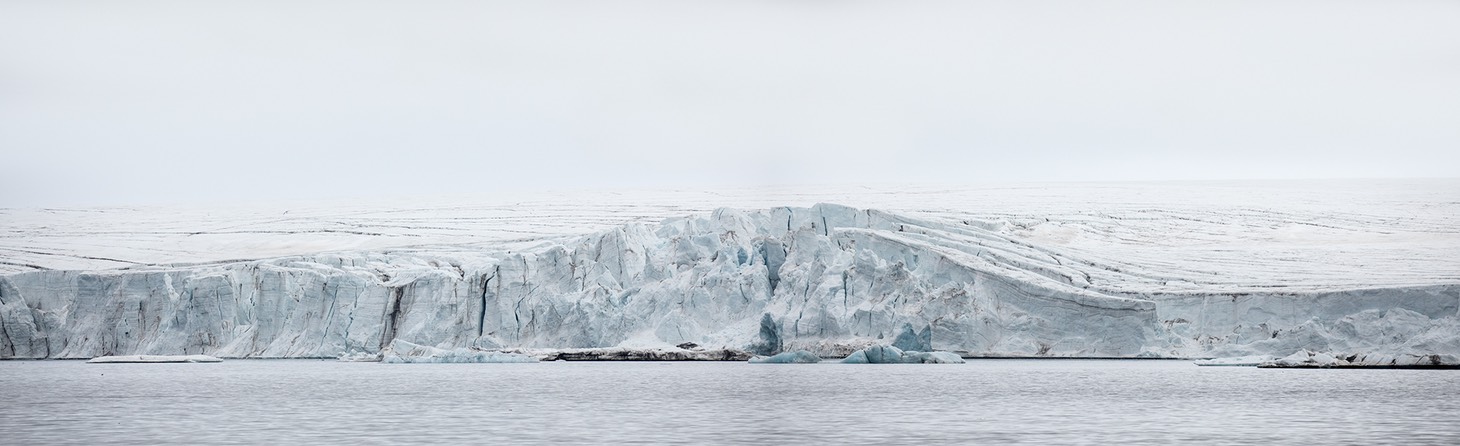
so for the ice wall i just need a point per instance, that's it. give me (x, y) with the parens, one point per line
(1418, 320)
(828, 279)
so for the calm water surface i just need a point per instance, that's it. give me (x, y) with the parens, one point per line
(985, 401)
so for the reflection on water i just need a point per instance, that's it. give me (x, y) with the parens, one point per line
(1034, 401)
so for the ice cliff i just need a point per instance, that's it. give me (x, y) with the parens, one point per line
(827, 279)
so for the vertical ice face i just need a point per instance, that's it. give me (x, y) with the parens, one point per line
(769, 342)
(827, 279)
(918, 341)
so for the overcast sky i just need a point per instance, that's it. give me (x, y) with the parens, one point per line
(141, 102)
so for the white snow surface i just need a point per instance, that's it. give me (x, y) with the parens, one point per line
(1072, 269)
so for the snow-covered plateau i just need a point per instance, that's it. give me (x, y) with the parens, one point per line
(1223, 269)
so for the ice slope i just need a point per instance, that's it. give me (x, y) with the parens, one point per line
(1179, 235)
(1234, 269)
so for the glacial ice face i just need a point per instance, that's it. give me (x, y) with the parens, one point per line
(909, 339)
(1378, 321)
(826, 279)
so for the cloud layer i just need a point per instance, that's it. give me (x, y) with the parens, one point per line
(143, 102)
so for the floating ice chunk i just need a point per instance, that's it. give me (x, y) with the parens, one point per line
(883, 354)
(857, 357)
(796, 357)
(1239, 361)
(152, 359)
(1307, 359)
(1404, 360)
(402, 352)
(931, 358)
(886, 354)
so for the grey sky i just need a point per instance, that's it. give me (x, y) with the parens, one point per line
(160, 102)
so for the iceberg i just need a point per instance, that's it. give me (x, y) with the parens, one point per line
(882, 354)
(932, 358)
(887, 354)
(150, 359)
(1324, 360)
(796, 357)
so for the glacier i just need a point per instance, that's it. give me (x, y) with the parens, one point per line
(827, 279)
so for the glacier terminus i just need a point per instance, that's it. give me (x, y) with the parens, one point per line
(829, 279)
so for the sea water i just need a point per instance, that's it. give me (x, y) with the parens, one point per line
(984, 401)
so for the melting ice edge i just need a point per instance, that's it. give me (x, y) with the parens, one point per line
(827, 279)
